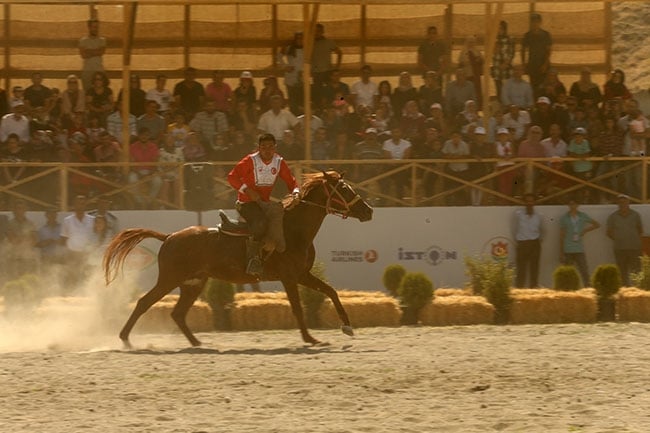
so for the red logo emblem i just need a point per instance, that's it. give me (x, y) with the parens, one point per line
(499, 250)
(274, 171)
(370, 256)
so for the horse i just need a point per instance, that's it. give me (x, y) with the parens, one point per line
(187, 258)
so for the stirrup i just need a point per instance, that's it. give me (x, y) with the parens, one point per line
(255, 267)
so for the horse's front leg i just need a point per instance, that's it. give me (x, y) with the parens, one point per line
(313, 282)
(291, 287)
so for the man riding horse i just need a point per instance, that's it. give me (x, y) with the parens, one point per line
(254, 178)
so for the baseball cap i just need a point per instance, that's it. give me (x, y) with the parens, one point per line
(16, 102)
(543, 100)
(503, 131)
(480, 130)
(371, 130)
(625, 196)
(246, 74)
(436, 105)
(580, 130)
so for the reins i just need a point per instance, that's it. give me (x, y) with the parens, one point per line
(335, 196)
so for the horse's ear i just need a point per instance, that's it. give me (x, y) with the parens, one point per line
(325, 175)
(342, 174)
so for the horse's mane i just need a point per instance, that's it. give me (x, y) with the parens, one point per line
(309, 182)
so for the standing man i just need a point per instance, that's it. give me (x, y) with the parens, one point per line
(536, 52)
(528, 234)
(365, 91)
(254, 178)
(91, 50)
(21, 255)
(78, 236)
(433, 53)
(189, 94)
(321, 58)
(573, 226)
(624, 227)
(49, 242)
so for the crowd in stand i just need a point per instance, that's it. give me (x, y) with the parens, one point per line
(535, 115)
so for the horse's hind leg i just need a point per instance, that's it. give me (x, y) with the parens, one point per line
(294, 299)
(189, 293)
(313, 282)
(144, 303)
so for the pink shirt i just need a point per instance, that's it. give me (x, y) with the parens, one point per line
(144, 152)
(221, 95)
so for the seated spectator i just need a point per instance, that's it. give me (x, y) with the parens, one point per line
(189, 94)
(505, 151)
(153, 121)
(542, 115)
(403, 93)
(531, 147)
(13, 151)
(555, 148)
(430, 92)
(518, 120)
(369, 148)
(137, 96)
(579, 119)
(193, 150)
(161, 95)
(320, 147)
(456, 148)
(244, 118)
(551, 86)
(496, 122)
(365, 91)
(333, 90)
(479, 148)
(615, 87)
(431, 149)
(290, 148)
(385, 96)
(246, 91)
(380, 118)
(99, 98)
(207, 124)
(143, 151)
(114, 125)
(178, 131)
(517, 91)
(73, 99)
(468, 117)
(586, 90)
(108, 151)
(579, 148)
(437, 121)
(270, 88)
(48, 241)
(276, 120)
(220, 93)
(457, 92)
(398, 148)
(412, 124)
(37, 95)
(15, 123)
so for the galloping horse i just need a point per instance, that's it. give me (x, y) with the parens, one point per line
(188, 257)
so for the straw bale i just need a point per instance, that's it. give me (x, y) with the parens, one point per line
(158, 317)
(360, 294)
(633, 305)
(550, 306)
(459, 309)
(363, 311)
(257, 314)
(452, 292)
(245, 296)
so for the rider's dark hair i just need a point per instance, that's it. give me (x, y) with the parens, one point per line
(266, 137)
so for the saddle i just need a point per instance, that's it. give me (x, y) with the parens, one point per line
(232, 227)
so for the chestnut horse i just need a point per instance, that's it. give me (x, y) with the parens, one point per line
(187, 258)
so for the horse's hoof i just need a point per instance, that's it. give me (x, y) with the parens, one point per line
(196, 343)
(127, 345)
(347, 330)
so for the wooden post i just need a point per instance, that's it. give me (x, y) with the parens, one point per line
(127, 44)
(7, 47)
(186, 36)
(274, 37)
(309, 29)
(608, 36)
(449, 38)
(491, 30)
(363, 33)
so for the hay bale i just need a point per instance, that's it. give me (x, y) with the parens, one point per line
(457, 309)
(551, 306)
(376, 309)
(158, 318)
(361, 294)
(452, 292)
(246, 296)
(257, 313)
(633, 305)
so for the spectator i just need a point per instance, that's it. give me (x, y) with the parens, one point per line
(431, 149)
(467, 118)
(504, 53)
(4, 102)
(624, 227)
(37, 95)
(77, 236)
(610, 144)
(437, 120)
(430, 92)
(73, 99)
(412, 124)
(21, 257)
(551, 86)
(111, 221)
(15, 123)
(153, 121)
(403, 93)
(91, 50)
(531, 148)
(161, 95)
(456, 148)
(579, 148)
(208, 123)
(269, 89)
(615, 87)
(505, 152)
(144, 153)
(320, 147)
(479, 148)
(114, 125)
(178, 131)
(292, 149)
(276, 120)
(397, 148)
(137, 96)
(245, 119)
(17, 94)
(471, 60)
(536, 51)
(386, 96)
(108, 150)
(49, 242)
(528, 231)
(457, 92)
(573, 226)
(517, 120)
(632, 176)
(321, 59)
(99, 97)
(553, 145)
(517, 91)
(246, 91)
(193, 150)
(542, 115)
(433, 53)
(586, 90)
(219, 92)
(291, 58)
(369, 148)
(365, 91)
(189, 94)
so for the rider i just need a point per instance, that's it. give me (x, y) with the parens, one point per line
(254, 177)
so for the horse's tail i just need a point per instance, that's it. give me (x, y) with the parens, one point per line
(120, 247)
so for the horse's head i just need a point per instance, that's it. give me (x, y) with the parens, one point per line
(335, 195)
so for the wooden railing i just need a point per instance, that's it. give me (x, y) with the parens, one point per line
(415, 182)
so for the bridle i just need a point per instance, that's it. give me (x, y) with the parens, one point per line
(334, 197)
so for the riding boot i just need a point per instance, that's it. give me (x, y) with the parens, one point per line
(255, 265)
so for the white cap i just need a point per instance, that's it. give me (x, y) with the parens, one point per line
(246, 74)
(580, 130)
(371, 130)
(480, 130)
(503, 131)
(15, 102)
(543, 100)
(436, 105)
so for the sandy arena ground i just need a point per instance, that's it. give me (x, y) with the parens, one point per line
(534, 378)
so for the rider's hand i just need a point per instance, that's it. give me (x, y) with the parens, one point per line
(254, 195)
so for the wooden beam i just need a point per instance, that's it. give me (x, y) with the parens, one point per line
(275, 45)
(363, 33)
(6, 44)
(186, 35)
(309, 29)
(129, 12)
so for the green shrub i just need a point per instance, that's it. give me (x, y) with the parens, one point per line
(392, 278)
(566, 278)
(313, 299)
(220, 295)
(415, 290)
(491, 279)
(606, 280)
(641, 279)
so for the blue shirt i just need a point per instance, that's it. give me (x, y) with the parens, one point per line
(573, 227)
